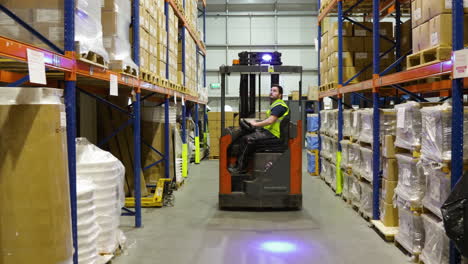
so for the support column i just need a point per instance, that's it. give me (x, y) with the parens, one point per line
(184, 142)
(339, 176)
(197, 137)
(137, 157)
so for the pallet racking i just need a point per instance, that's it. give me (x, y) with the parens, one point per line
(65, 71)
(383, 84)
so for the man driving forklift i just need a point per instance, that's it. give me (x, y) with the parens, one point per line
(268, 129)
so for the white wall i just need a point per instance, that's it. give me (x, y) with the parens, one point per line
(293, 36)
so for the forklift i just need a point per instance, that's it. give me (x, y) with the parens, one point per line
(274, 175)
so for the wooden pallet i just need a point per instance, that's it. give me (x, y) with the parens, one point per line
(214, 157)
(428, 57)
(407, 251)
(90, 57)
(120, 67)
(327, 87)
(365, 216)
(414, 152)
(147, 77)
(387, 233)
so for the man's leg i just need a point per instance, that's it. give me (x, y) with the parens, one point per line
(248, 146)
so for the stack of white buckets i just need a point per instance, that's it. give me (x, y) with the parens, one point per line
(100, 195)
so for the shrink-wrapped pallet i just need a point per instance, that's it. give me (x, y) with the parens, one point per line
(345, 149)
(408, 125)
(347, 122)
(411, 232)
(366, 199)
(437, 187)
(312, 123)
(436, 133)
(355, 157)
(312, 141)
(411, 181)
(436, 242)
(365, 170)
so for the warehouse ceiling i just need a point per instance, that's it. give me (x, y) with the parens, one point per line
(261, 5)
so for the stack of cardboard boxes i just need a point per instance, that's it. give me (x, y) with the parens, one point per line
(432, 24)
(173, 36)
(214, 128)
(190, 63)
(357, 51)
(388, 213)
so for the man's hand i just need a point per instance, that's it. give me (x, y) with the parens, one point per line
(270, 120)
(253, 123)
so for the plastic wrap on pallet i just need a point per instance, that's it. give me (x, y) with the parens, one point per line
(411, 181)
(333, 149)
(334, 122)
(312, 141)
(365, 169)
(88, 229)
(347, 122)
(437, 187)
(311, 164)
(88, 28)
(333, 176)
(356, 124)
(387, 122)
(366, 125)
(436, 133)
(325, 122)
(366, 199)
(411, 231)
(324, 146)
(436, 242)
(347, 183)
(312, 122)
(325, 169)
(107, 174)
(355, 157)
(117, 39)
(355, 191)
(345, 149)
(408, 128)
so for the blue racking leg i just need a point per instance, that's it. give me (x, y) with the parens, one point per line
(197, 137)
(137, 157)
(166, 138)
(376, 118)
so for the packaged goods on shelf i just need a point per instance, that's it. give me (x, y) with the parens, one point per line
(325, 146)
(325, 169)
(411, 232)
(436, 136)
(347, 184)
(356, 124)
(365, 169)
(332, 176)
(116, 21)
(333, 149)
(347, 122)
(312, 166)
(88, 229)
(411, 181)
(366, 199)
(387, 124)
(106, 173)
(408, 128)
(333, 122)
(345, 152)
(437, 187)
(324, 121)
(35, 198)
(355, 191)
(355, 157)
(312, 141)
(436, 242)
(388, 190)
(312, 122)
(388, 146)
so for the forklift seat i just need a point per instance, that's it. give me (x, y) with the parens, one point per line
(276, 145)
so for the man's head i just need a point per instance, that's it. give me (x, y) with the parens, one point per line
(276, 92)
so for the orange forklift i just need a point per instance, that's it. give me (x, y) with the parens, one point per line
(274, 175)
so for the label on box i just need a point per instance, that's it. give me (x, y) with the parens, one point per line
(107, 41)
(63, 119)
(361, 55)
(435, 189)
(360, 32)
(400, 118)
(434, 39)
(417, 14)
(49, 15)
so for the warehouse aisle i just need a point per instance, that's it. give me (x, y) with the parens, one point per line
(326, 231)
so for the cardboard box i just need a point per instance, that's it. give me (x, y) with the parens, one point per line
(391, 169)
(406, 37)
(362, 59)
(347, 59)
(110, 24)
(348, 73)
(144, 59)
(347, 30)
(369, 45)
(153, 64)
(421, 37)
(437, 7)
(389, 215)
(388, 190)
(48, 15)
(312, 93)
(440, 28)
(349, 44)
(361, 32)
(52, 31)
(420, 13)
(386, 29)
(295, 95)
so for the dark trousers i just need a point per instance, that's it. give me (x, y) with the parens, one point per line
(248, 144)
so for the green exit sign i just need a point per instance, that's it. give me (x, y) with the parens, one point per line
(215, 85)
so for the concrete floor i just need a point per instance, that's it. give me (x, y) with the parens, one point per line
(326, 231)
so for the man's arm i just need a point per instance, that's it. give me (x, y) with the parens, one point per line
(270, 120)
